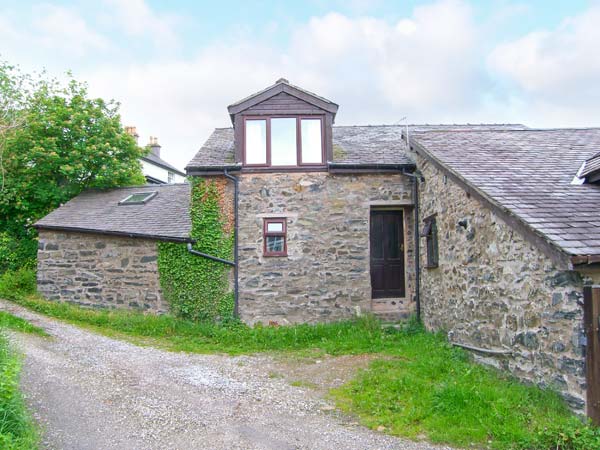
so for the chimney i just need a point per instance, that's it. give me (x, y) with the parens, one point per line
(132, 131)
(154, 146)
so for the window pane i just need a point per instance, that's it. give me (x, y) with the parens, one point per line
(312, 143)
(283, 142)
(274, 227)
(274, 244)
(256, 141)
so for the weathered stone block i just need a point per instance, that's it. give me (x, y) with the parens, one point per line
(96, 274)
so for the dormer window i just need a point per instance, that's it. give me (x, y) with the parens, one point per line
(283, 141)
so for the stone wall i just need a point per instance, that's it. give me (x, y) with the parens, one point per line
(99, 270)
(326, 275)
(495, 290)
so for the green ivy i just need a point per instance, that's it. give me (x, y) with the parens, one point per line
(195, 287)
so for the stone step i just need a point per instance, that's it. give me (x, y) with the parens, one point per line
(391, 315)
(388, 304)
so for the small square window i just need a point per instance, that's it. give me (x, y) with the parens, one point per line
(275, 239)
(170, 177)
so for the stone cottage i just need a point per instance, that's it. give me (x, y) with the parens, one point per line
(489, 232)
(510, 233)
(100, 248)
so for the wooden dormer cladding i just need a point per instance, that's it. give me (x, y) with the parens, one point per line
(284, 100)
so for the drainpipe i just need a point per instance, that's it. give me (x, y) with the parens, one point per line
(211, 257)
(236, 288)
(415, 193)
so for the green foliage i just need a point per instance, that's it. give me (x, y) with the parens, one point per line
(17, 251)
(568, 434)
(17, 431)
(54, 143)
(17, 284)
(198, 288)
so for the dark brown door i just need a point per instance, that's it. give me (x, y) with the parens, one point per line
(387, 254)
(591, 323)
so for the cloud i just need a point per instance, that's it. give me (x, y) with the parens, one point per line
(52, 30)
(555, 72)
(59, 28)
(136, 18)
(378, 71)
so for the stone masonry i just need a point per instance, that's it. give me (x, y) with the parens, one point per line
(495, 290)
(99, 271)
(326, 275)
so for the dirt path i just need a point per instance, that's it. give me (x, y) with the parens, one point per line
(91, 392)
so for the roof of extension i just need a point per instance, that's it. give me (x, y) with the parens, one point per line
(353, 145)
(528, 173)
(164, 217)
(153, 159)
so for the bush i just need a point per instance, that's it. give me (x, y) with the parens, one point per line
(17, 252)
(17, 284)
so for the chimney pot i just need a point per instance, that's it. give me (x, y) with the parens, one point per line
(132, 131)
(154, 146)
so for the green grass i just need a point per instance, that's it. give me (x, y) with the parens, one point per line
(432, 389)
(17, 430)
(350, 337)
(16, 323)
(421, 387)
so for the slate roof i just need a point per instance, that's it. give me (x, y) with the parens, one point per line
(354, 144)
(369, 144)
(528, 173)
(153, 159)
(217, 151)
(166, 216)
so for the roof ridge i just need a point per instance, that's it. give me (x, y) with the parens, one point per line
(435, 125)
(509, 130)
(140, 186)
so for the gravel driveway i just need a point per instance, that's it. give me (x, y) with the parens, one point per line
(92, 392)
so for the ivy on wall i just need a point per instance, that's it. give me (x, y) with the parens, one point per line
(195, 287)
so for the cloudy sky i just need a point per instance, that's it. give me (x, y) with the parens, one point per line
(175, 66)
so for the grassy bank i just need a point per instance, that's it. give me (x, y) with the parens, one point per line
(421, 387)
(17, 430)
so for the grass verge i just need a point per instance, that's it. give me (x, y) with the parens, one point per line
(8, 321)
(421, 388)
(17, 430)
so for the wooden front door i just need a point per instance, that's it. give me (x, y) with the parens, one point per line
(387, 254)
(591, 324)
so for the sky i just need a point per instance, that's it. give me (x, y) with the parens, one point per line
(175, 66)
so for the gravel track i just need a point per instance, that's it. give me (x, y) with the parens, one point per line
(88, 391)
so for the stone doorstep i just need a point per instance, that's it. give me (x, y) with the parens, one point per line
(391, 309)
(392, 316)
(389, 304)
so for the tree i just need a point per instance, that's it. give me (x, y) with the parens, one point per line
(55, 142)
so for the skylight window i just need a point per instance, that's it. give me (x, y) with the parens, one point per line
(138, 198)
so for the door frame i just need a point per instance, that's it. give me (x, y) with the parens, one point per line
(406, 210)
